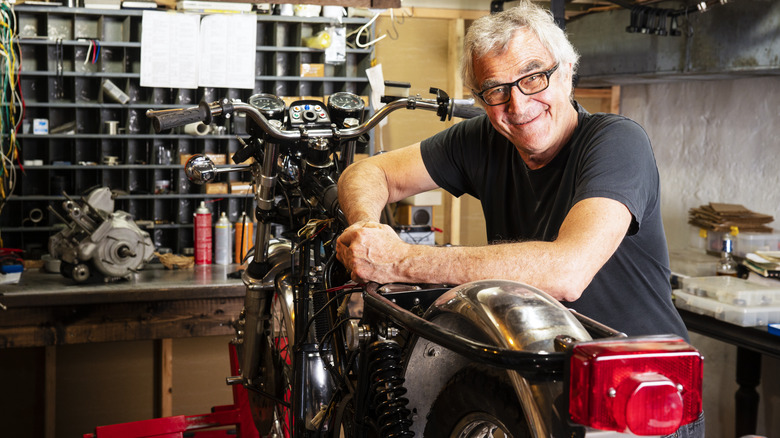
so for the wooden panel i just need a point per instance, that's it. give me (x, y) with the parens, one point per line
(61, 325)
(163, 352)
(452, 230)
(605, 100)
(49, 392)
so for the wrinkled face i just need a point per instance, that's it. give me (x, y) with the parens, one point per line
(540, 124)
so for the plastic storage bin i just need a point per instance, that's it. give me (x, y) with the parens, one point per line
(692, 262)
(732, 290)
(745, 316)
(751, 242)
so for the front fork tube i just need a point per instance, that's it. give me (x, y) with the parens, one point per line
(257, 301)
(256, 304)
(264, 196)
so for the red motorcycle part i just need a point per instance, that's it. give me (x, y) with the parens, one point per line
(645, 386)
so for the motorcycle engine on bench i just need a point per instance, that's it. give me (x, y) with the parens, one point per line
(98, 240)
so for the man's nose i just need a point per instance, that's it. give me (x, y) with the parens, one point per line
(517, 100)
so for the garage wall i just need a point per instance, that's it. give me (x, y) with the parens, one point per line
(715, 141)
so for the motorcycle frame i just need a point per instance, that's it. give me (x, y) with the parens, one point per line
(461, 335)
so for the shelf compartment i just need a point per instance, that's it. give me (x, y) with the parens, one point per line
(74, 93)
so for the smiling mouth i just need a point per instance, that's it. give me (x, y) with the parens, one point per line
(522, 123)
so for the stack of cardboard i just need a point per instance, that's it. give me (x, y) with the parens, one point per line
(721, 217)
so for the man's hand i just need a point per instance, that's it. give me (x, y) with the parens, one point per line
(372, 252)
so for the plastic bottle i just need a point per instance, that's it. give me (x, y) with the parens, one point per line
(222, 242)
(202, 235)
(244, 237)
(727, 265)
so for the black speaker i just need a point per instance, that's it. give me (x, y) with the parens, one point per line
(416, 215)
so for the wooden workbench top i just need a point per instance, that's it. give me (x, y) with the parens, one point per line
(156, 303)
(154, 282)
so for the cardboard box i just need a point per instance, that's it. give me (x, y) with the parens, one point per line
(218, 159)
(432, 197)
(241, 187)
(216, 188)
(312, 70)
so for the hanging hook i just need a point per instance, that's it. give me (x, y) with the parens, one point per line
(392, 24)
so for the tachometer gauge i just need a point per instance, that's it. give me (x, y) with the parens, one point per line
(344, 105)
(271, 106)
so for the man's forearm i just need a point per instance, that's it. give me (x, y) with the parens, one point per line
(363, 192)
(540, 264)
(368, 185)
(563, 268)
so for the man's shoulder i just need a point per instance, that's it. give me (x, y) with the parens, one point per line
(465, 131)
(600, 120)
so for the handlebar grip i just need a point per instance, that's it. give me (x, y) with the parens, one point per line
(467, 111)
(330, 201)
(165, 120)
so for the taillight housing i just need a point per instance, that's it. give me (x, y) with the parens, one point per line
(645, 386)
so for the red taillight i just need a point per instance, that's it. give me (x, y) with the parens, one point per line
(646, 386)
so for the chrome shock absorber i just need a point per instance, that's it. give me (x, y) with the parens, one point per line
(387, 388)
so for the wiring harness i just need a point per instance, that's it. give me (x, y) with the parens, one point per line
(11, 102)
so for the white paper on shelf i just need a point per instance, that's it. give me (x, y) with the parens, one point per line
(336, 53)
(169, 50)
(228, 49)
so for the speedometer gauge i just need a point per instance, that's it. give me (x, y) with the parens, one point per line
(343, 105)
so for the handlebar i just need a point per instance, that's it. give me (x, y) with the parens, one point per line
(445, 107)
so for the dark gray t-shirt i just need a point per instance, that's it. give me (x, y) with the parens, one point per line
(608, 156)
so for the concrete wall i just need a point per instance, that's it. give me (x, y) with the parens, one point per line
(715, 141)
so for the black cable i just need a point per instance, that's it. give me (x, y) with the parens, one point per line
(309, 323)
(321, 351)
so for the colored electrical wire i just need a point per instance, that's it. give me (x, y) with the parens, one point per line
(11, 102)
(89, 52)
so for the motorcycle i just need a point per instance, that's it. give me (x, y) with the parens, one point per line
(320, 356)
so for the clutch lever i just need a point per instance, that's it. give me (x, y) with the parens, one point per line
(200, 169)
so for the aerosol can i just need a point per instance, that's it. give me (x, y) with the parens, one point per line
(202, 235)
(222, 245)
(244, 236)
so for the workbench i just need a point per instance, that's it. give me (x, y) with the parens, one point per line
(751, 343)
(48, 310)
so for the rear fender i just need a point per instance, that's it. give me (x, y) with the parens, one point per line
(503, 313)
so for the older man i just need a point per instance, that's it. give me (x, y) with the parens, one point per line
(571, 199)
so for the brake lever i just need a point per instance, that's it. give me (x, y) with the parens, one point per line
(445, 106)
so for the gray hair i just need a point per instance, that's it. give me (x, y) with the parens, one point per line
(492, 33)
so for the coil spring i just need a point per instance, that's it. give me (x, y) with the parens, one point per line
(387, 388)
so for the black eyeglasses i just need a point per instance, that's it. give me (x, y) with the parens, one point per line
(528, 85)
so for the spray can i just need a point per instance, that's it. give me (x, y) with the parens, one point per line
(222, 241)
(244, 237)
(202, 235)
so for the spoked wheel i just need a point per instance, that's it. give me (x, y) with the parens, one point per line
(477, 403)
(479, 425)
(272, 415)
